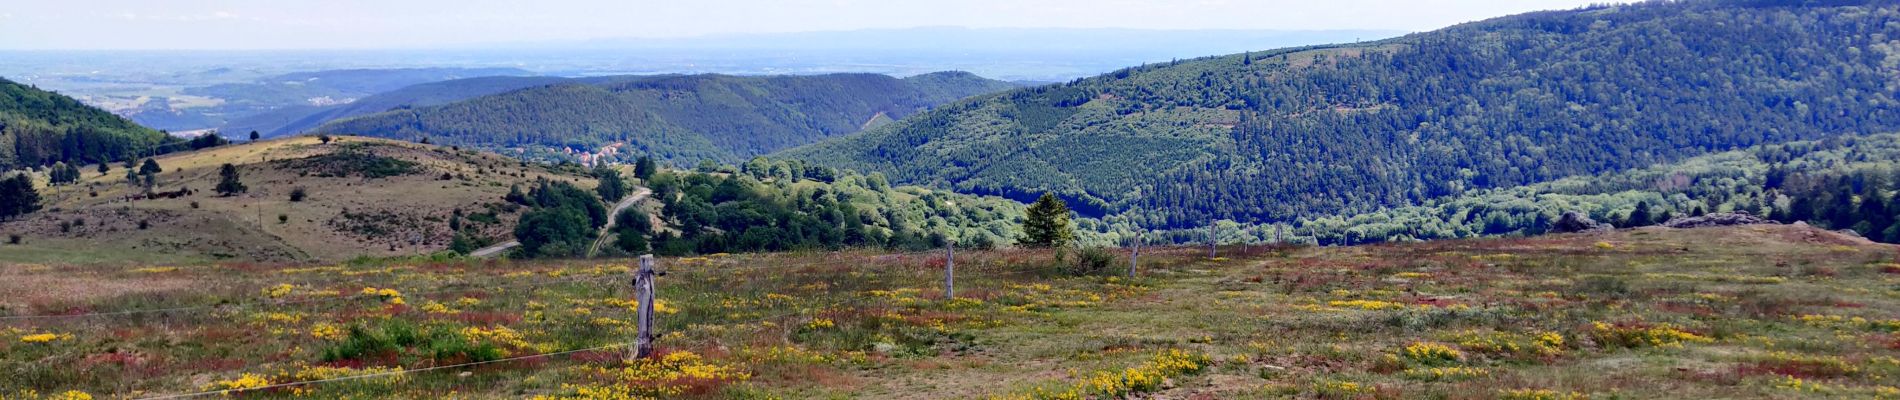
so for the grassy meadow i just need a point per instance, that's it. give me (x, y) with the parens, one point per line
(1761, 311)
(362, 197)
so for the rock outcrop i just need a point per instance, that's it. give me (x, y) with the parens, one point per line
(1716, 219)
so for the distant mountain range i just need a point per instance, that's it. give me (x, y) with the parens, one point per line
(1296, 133)
(682, 118)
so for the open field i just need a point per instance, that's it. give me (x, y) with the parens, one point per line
(364, 197)
(1763, 311)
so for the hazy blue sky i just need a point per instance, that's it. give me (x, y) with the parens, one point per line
(299, 24)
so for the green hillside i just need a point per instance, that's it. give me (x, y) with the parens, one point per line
(1843, 182)
(291, 120)
(1285, 134)
(680, 118)
(39, 127)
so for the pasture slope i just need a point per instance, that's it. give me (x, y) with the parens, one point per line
(1760, 311)
(363, 197)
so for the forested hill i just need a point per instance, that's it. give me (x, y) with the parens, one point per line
(683, 118)
(39, 127)
(293, 120)
(1277, 135)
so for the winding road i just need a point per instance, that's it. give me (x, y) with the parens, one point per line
(601, 236)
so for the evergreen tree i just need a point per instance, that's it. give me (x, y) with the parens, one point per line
(1640, 217)
(255, 136)
(17, 197)
(228, 183)
(644, 168)
(1873, 209)
(104, 168)
(1047, 223)
(150, 167)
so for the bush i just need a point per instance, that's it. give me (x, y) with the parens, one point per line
(281, 218)
(1606, 286)
(194, 205)
(144, 224)
(297, 194)
(1090, 261)
(13, 238)
(399, 337)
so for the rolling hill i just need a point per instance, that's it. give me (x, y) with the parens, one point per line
(1842, 182)
(39, 127)
(291, 120)
(219, 105)
(682, 118)
(363, 197)
(1302, 132)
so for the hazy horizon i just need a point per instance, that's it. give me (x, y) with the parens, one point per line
(130, 25)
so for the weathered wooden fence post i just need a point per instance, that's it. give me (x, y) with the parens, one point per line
(1134, 257)
(949, 271)
(1212, 239)
(643, 292)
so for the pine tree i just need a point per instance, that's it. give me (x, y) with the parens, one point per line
(104, 168)
(17, 197)
(1047, 223)
(150, 167)
(1641, 216)
(228, 183)
(644, 168)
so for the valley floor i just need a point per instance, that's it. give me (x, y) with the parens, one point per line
(1763, 311)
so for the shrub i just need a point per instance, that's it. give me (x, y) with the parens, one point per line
(144, 224)
(1432, 354)
(1635, 335)
(13, 238)
(1090, 261)
(1603, 285)
(297, 194)
(194, 205)
(398, 337)
(281, 218)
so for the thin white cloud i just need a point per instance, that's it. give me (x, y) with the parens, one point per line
(211, 16)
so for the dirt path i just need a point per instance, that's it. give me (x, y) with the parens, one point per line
(601, 236)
